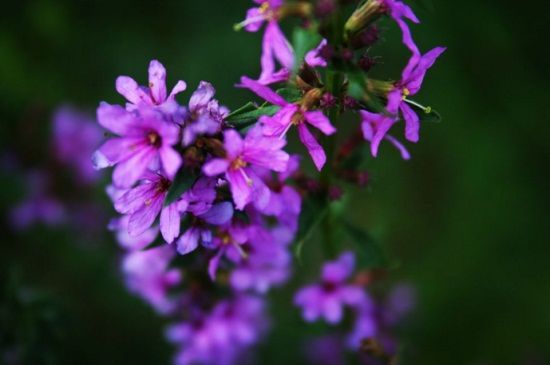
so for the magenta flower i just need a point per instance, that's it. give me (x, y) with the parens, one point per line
(397, 101)
(144, 202)
(291, 114)
(327, 299)
(370, 125)
(152, 95)
(145, 143)
(274, 44)
(255, 149)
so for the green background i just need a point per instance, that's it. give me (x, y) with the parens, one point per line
(467, 216)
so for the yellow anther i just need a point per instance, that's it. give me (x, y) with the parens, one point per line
(405, 93)
(147, 203)
(151, 84)
(237, 163)
(264, 7)
(428, 110)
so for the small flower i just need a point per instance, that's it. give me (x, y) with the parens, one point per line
(144, 202)
(292, 114)
(154, 94)
(370, 125)
(327, 299)
(145, 143)
(255, 149)
(274, 44)
(397, 100)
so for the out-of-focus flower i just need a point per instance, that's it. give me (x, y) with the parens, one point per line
(327, 299)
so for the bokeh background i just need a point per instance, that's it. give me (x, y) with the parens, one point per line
(467, 217)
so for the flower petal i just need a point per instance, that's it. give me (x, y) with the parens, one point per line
(129, 88)
(314, 148)
(412, 123)
(320, 121)
(188, 241)
(263, 91)
(157, 81)
(170, 222)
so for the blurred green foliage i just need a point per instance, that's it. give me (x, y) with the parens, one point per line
(467, 217)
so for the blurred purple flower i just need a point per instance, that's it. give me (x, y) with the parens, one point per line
(75, 137)
(222, 336)
(327, 299)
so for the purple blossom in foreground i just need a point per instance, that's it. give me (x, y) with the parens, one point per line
(145, 143)
(409, 85)
(274, 44)
(255, 149)
(75, 137)
(152, 95)
(200, 232)
(291, 114)
(144, 202)
(197, 200)
(327, 299)
(223, 336)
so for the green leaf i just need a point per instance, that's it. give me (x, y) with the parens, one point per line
(369, 253)
(249, 114)
(357, 88)
(303, 41)
(313, 211)
(290, 94)
(184, 180)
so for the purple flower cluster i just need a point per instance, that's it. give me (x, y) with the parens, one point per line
(212, 194)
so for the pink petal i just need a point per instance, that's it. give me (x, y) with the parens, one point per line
(157, 81)
(143, 218)
(240, 189)
(320, 121)
(128, 87)
(180, 86)
(412, 123)
(170, 221)
(233, 143)
(315, 150)
(215, 166)
(129, 171)
(115, 118)
(171, 161)
(263, 91)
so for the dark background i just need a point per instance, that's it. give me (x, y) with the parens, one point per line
(467, 216)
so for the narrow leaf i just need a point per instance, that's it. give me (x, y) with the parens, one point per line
(184, 180)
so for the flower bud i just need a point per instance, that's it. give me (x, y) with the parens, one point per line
(364, 16)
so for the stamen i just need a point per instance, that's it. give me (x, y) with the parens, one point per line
(426, 109)
(285, 130)
(248, 180)
(243, 254)
(244, 23)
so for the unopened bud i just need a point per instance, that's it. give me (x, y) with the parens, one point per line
(364, 16)
(346, 54)
(327, 101)
(335, 193)
(365, 63)
(324, 8)
(365, 38)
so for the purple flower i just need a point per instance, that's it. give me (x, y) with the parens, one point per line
(274, 44)
(199, 231)
(292, 114)
(75, 137)
(313, 57)
(152, 95)
(222, 336)
(144, 202)
(205, 114)
(267, 260)
(255, 149)
(197, 200)
(145, 143)
(370, 125)
(397, 101)
(120, 227)
(147, 275)
(327, 299)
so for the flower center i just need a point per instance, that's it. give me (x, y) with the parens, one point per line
(154, 139)
(238, 163)
(405, 92)
(297, 118)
